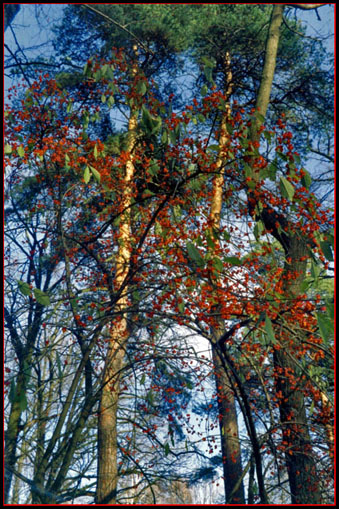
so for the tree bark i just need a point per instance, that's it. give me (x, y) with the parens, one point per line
(229, 432)
(299, 458)
(300, 461)
(107, 422)
(24, 354)
(271, 51)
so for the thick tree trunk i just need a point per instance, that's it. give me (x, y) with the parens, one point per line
(107, 428)
(230, 443)
(299, 458)
(300, 461)
(107, 422)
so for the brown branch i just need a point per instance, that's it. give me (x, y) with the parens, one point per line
(306, 7)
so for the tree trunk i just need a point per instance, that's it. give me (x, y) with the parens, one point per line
(300, 461)
(11, 437)
(107, 422)
(299, 458)
(230, 443)
(271, 51)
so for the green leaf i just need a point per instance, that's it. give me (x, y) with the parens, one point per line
(181, 307)
(326, 327)
(164, 137)
(286, 188)
(330, 309)
(150, 397)
(110, 101)
(96, 174)
(272, 170)
(210, 241)
(312, 407)
(306, 179)
(258, 229)
(167, 449)
(143, 378)
(229, 128)
(269, 330)
(204, 90)
(282, 156)
(7, 149)
(95, 152)
(177, 212)
(103, 98)
(172, 136)
(315, 270)
(151, 124)
(141, 88)
(326, 249)
(97, 75)
(213, 147)
(233, 260)
(21, 151)
(208, 62)
(208, 74)
(24, 288)
(218, 265)
(201, 117)
(87, 175)
(268, 136)
(154, 168)
(41, 297)
(194, 254)
(104, 69)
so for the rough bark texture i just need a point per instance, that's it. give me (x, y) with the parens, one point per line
(107, 430)
(299, 458)
(300, 462)
(230, 443)
(107, 422)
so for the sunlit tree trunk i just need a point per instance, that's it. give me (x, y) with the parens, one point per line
(107, 421)
(229, 432)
